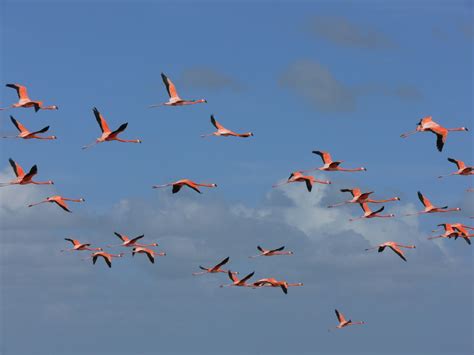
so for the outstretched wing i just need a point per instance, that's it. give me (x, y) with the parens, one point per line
(172, 93)
(17, 169)
(223, 262)
(150, 257)
(340, 316)
(42, 130)
(18, 125)
(73, 241)
(247, 277)
(33, 171)
(62, 204)
(232, 276)
(460, 164)
(309, 184)
(277, 249)
(424, 200)
(137, 238)
(122, 238)
(176, 188)
(101, 121)
(20, 90)
(120, 129)
(260, 248)
(325, 156)
(398, 252)
(215, 123)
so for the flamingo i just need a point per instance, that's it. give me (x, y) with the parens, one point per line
(343, 322)
(454, 230)
(107, 134)
(174, 99)
(214, 269)
(25, 101)
(368, 213)
(298, 176)
(427, 124)
(236, 281)
(77, 245)
(106, 256)
(177, 185)
(429, 208)
(127, 242)
(25, 134)
(271, 282)
(394, 246)
(271, 252)
(224, 132)
(359, 197)
(150, 253)
(22, 178)
(462, 168)
(59, 200)
(330, 165)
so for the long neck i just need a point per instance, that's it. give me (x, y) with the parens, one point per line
(41, 182)
(39, 137)
(356, 169)
(406, 246)
(72, 199)
(205, 185)
(128, 140)
(381, 201)
(457, 129)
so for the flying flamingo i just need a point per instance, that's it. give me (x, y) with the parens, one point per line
(214, 269)
(271, 252)
(298, 176)
(107, 134)
(174, 99)
(150, 253)
(25, 134)
(127, 242)
(330, 165)
(394, 246)
(22, 178)
(25, 101)
(106, 256)
(359, 197)
(368, 213)
(177, 185)
(429, 208)
(236, 281)
(59, 200)
(454, 230)
(343, 322)
(462, 168)
(427, 124)
(224, 132)
(77, 245)
(271, 282)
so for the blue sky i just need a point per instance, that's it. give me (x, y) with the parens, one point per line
(344, 77)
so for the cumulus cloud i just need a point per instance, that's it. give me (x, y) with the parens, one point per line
(207, 78)
(50, 297)
(317, 85)
(341, 31)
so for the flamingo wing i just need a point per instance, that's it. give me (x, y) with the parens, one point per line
(101, 121)
(137, 238)
(223, 262)
(309, 184)
(33, 171)
(17, 169)
(215, 123)
(277, 249)
(20, 90)
(176, 188)
(192, 186)
(381, 248)
(247, 277)
(62, 204)
(232, 276)
(284, 288)
(460, 164)
(121, 237)
(365, 207)
(424, 200)
(122, 128)
(340, 316)
(73, 241)
(42, 130)
(441, 135)
(325, 156)
(398, 252)
(150, 257)
(108, 261)
(260, 248)
(18, 125)
(173, 94)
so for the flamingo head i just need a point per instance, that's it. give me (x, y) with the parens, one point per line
(55, 107)
(391, 215)
(50, 182)
(100, 249)
(457, 209)
(154, 244)
(363, 169)
(214, 185)
(397, 198)
(290, 253)
(54, 137)
(464, 129)
(138, 141)
(82, 199)
(120, 255)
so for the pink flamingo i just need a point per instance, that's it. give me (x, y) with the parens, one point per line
(343, 322)
(22, 178)
(127, 242)
(359, 197)
(236, 282)
(149, 253)
(59, 200)
(271, 252)
(271, 282)
(427, 124)
(177, 185)
(462, 168)
(25, 134)
(394, 246)
(106, 256)
(77, 245)
(224, 132)
(298, 176)
(214, 269)
(429, 208)
(107, 134)
(174, 99)
(368, 213)
(330, 165)
(25, 101)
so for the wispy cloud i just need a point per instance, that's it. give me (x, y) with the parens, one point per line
(343, 32)
(315, 83)
(207, 78)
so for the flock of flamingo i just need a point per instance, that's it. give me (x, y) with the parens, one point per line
(363, 199)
